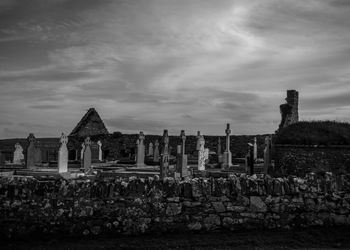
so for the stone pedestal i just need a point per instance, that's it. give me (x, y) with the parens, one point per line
(63, 155)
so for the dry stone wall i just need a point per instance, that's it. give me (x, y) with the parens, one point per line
(136, 206)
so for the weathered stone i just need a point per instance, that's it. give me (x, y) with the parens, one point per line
(212, 221)
(219, 207)
(195, 226)
(173, 209)
(257, 205)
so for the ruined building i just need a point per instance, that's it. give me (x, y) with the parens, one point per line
(289, 110)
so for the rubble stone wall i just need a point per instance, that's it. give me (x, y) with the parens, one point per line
(136, 206)
(299, 159)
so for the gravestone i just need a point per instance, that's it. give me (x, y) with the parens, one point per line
(140, 159)
(255, 150)
(2, 159)
(164, 162)
(30, 156)
(250, 159)
(87, 154)
(198, 137)
(99, 143)
(156, 152)
(18, 155)
(150, 149)
(82, 152)
(38, 156)
(181, 167)
(227, 161)
(63, 155)
(203, 154)
(219, 152)
(267, 154)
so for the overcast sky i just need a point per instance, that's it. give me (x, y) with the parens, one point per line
(176, 64)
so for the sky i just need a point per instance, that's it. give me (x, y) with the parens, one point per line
(149, 65)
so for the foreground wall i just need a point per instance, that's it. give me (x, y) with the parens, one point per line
(141, 206)
(300, 159)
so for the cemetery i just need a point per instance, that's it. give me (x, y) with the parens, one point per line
(91, 182)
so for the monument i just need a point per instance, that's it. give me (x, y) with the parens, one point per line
(87, 154)
(164, 162)
(219, 152)
(203, 154)
(227, 161)
(63, 155)
(267, 154)
(156, 152)
(99, 143)
(82, 152)
(150, 149)
(198, 137)
(30, 157)
(140, 159)
(250, 159)
(18, 155)
(255, 150)
(181, 167)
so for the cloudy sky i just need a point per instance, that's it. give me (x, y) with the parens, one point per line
(185, 64)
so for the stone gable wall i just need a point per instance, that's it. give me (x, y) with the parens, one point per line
(136, 206)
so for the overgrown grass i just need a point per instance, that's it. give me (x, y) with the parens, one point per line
(315, 133)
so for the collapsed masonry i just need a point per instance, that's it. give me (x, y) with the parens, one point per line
(289, 110)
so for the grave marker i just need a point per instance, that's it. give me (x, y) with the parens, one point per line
(140, 159)
(156, 152)
(164, 163)
(30, 156)
(227, 161)
(150, 149)
(203, 154)
(99, 143)
(87, 154)
(18, 155)
(63, 155)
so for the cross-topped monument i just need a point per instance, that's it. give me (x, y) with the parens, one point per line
(227, 154)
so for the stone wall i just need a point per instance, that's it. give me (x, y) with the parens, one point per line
(135, 206)
(301, 159)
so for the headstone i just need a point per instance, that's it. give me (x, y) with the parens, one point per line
(18, 155)
(150, 149)
(227, 161)
(219, 152)
(198, 137)
(255, 150)
(140, 160)
(182, 157)
(203, 154)
(87, 154)
(156, 152)
(164, 163)
(267, 154)
(63, 155)
(38, 156)
(82, 152)
(2, 159)
(99, 143)
(30, 156)
(250, 159)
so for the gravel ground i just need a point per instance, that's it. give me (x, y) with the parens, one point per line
(311, 238)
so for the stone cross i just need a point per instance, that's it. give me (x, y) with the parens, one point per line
(198, 137)
(203, 154)
(150, 149)
(227, 154)
(18, 155)
(164, 163)
(63, 155)
(255, 150)
(30, 157)
(156, 152)
(267, 154)
(87, 154)
(99, 143)
(140, 160)
(82, 151)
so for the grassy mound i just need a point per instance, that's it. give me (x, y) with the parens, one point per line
(315, 133)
